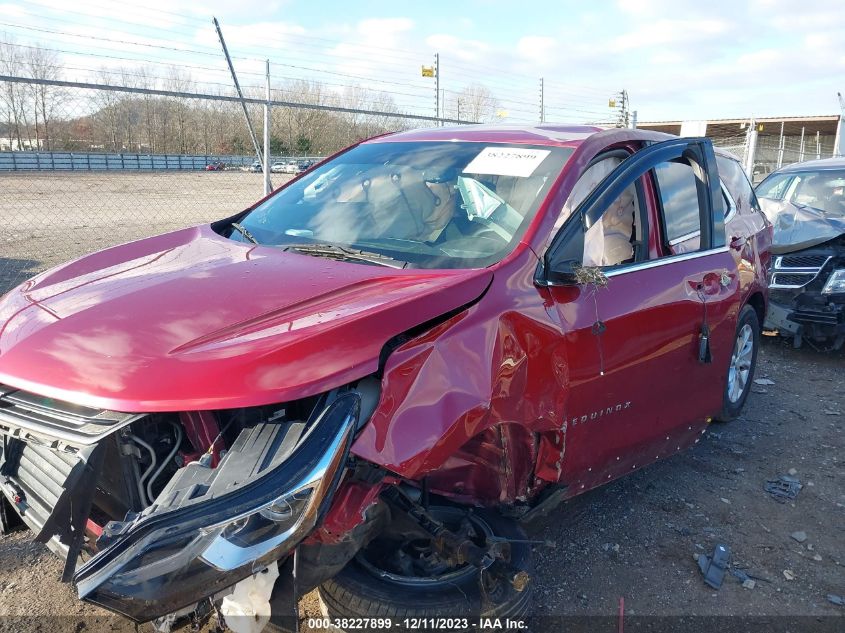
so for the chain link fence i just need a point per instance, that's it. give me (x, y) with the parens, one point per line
(765, 148)
(84, 168)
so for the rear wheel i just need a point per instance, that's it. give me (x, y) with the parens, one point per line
(406, 578)
(741, 364)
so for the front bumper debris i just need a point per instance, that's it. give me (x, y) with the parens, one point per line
(801, 303)
(208, 529)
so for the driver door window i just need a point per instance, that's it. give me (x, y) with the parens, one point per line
(613, 239)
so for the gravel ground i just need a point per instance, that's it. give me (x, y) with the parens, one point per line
(635, 539)
(52, 217)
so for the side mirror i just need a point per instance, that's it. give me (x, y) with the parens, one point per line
(565, 255)
(563, 273)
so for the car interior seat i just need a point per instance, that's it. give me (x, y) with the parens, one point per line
(396, 201)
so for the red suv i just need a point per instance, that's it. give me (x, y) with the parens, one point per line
(378, 373)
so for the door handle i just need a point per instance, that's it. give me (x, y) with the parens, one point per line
(712, 283)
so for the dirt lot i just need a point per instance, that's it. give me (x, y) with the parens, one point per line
(52, 217)
(635, 539)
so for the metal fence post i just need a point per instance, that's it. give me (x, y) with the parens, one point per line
(437, 88)
(542, 103)
(750, 148)
(268, 186)
(801, 150)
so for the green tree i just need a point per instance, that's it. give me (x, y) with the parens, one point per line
(303, 144)
(277, 147)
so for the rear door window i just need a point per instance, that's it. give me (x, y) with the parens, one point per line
(680, 214)
(740, 189)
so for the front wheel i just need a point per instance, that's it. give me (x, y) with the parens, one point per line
(741, 365)
(405, 578)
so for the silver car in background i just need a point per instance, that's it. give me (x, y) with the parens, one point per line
(806, 204)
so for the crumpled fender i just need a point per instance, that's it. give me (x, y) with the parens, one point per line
(447, 409)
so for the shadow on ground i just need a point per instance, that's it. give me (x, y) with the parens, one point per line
(14, 271)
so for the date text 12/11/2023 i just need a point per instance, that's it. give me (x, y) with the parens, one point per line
(431, 624)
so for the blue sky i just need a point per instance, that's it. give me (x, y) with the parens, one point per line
(677, 59)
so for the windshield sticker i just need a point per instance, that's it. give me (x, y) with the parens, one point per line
(507, 161)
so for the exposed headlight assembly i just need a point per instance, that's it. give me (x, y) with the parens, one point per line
(210, 528)
(835, 283)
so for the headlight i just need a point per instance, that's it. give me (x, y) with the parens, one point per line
(254, 536)
(835, 283)
(210, 528)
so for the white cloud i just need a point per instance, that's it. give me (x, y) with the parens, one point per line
(12, 10)
(379, 28)
(462, 49)
(670, 31)
(537, 49)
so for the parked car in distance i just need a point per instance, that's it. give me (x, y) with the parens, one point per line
(304, 165)
(388, 366)
(218, 166)
(278, 167)
(760, 171)
(806, 204)
(290, 167)
(256, 166)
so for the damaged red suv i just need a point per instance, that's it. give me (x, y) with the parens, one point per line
(377, 374)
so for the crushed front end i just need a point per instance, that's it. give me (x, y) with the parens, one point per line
(807, 295)
(155, 513)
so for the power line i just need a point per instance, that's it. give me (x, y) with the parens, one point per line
(214, 55)
(458, 68)
(222, 70)
(196, 95)
(206, 21)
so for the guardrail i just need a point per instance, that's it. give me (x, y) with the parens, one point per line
(93, 161)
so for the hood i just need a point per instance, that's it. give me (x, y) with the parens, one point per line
(192, 320)
(797, 227)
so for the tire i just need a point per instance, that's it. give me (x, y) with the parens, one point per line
(741, 364)
(357, 592)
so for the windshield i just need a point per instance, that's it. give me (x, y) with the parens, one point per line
(425, 204)
(820, 190)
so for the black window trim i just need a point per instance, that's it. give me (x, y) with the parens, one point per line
(697, 152)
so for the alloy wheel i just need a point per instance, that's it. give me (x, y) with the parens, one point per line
(739, 370)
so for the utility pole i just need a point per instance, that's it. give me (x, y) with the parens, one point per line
(542, 102)
(626, 109)
(624, 119)
(437, 88)
(268, 186)
(238, 89)
(780, 147)
(634, 120)
(837, 140)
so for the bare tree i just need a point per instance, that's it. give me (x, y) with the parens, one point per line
(43, 64)
(109, 102)
(474, 103)
(12, 94)
(180, 81)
